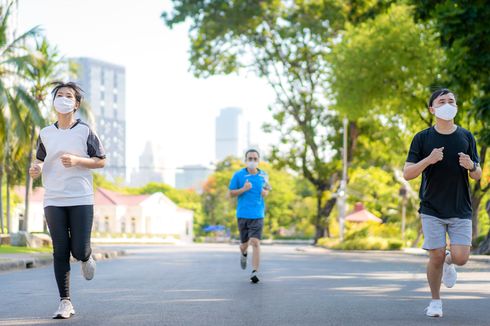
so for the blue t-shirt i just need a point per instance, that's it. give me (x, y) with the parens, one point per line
(250, 203)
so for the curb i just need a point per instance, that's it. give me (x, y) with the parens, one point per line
(473, 257)
(28, 262)
(33, 261)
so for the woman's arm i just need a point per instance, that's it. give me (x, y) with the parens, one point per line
(69, 161)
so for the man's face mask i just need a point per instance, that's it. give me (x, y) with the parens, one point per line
(446, 111)
(252, 165)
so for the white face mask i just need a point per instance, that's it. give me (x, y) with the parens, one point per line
(64, 105)
(252, 165)
(446, 112)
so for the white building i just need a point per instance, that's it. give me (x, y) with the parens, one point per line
(116, 214)
(36, 211)
(232, 133)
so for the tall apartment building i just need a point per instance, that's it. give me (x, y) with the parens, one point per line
(104, 84)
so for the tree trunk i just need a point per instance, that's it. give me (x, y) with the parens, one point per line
(1, 201)
(319, 225)
(28, 183)
(9, 220)
(477, 195)
(417, 239)
(476, 199)
(484, 246)
(327, 209)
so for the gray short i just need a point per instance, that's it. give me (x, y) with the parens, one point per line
(250, 228)
(434, 228)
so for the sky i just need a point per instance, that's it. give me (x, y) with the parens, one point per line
(165, 103)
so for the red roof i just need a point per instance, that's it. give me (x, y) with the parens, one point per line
(102, 196)
(108, 197)
(361, 214)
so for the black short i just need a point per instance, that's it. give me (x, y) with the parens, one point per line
(250, 228)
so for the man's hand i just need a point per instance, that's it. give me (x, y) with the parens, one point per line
(465, 161)
(35, 170)
(264, 192)
(247, 186)
(436, 155)
(69, 160)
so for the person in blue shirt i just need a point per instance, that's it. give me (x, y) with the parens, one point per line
(251, 186)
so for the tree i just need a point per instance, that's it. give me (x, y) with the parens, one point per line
(42, 67)
(376, 75)
(15, 101)
(463, 33)
(286, 43)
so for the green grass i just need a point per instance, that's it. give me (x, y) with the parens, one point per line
(23, 250)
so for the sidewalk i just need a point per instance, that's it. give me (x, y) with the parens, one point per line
(408, 251)
(23, 261)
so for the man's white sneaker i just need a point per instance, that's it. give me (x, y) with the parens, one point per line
(434, 309)
(449, 275)
(65, 310)
(88, 268)
(254, 277)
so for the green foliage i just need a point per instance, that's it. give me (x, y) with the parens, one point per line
(7, 249)
(371, 243)
(367, 236)
(383, 67)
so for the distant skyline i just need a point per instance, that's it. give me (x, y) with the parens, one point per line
(165, 103)
(232, 133)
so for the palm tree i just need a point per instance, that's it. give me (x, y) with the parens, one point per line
(14, 99)
(42, 68)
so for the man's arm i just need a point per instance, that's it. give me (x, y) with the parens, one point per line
(476, 175)
(238, 192)
(413, 170)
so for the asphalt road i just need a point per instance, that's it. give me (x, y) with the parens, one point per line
(204, 285)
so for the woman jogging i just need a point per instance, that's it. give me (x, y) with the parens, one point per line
(66, 152)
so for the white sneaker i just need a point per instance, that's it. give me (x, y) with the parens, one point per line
(88, 268)
(254, 277)
(434, 309)
(449, 275)
(65, 310)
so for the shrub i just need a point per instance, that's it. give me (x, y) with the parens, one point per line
(369, 243)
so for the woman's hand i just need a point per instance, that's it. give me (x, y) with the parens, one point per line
(69, 160)
(35, 170)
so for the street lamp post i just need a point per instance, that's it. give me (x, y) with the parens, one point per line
(341, 195)
(403, 194)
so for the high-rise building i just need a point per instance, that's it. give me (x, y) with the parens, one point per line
(232, 133)
(192, 177)
(105, 88)
(152, 167)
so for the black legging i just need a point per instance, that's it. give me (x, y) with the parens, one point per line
(70, 229)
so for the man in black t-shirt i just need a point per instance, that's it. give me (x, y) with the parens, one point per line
(445, 154)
